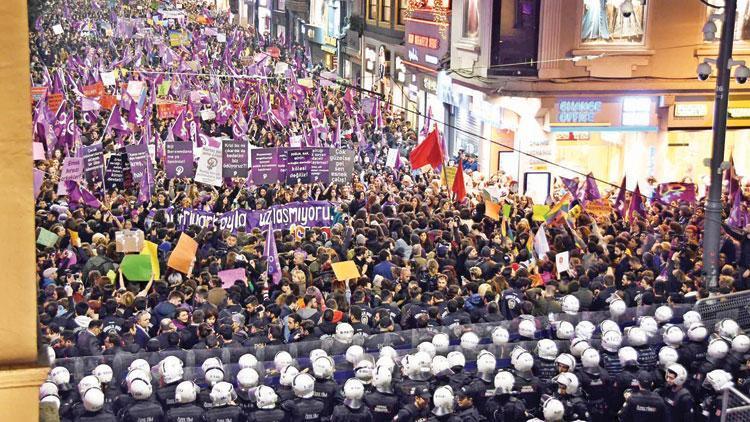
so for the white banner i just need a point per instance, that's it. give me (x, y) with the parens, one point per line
(209, 165)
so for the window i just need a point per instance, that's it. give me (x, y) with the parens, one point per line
(471, 19)
(372, 10)
(402, 6)
(604, 23)
(742, 22)
(385, 10)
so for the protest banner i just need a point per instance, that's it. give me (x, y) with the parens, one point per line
(299, 163)
(209, 166)
(72, 169)
(93, 162)
(139, 160)
(306, 214)
(136, 267)
(46, 238)
(341, 166)
(37, 93)
(54, 101)
(234, 158)
(346, 270)
(108, 101)
(127, 241)
(94, 90)
(179, 159)
(599, 209)
(264, 166)
(178, 38)
(108, 78)
(57, 29)
(183, 255)
(562, 262)
(392, 158)
(677, 192)
(319, 165)
(114, 174)
(37, 151)
(295, 141)
(168, 110)
(229, 277)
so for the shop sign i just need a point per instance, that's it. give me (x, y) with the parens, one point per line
(413, 55)
(430, 59)
(572, 136)
(739, 113)
(423, 41)
(690, 110)
(429, 84)
(578, 111)
(329, 40)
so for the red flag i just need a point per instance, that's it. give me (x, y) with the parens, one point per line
(427, 152)
(459, 188)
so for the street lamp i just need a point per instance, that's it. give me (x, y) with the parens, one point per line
(714, 208)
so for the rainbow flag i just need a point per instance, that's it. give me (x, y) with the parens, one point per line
(559, 210)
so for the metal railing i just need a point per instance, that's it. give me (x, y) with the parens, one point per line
(735, 406)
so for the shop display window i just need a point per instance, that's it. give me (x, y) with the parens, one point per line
(604, 23)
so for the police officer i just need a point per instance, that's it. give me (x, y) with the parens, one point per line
(465, 411)
(642, 405)
(527, 385)
(93, 405)
(717, 350)
(483, 387)
(638, 339)
(416, 368)
(442, 402)
(678, 399)
(504, 407)
(223, 408)
(284, 390)
(544, 365)
(611, 342)
(326, 389)
(456, 363)
(247, 380)
(694, 349)
(86, 383)
(567, 393)
(304, 407)
(710, 408)
(184, 409)
(353, 409)
(142, 409)
(418, 410)
(267, 411)
(125, 400)
(68, 395)
(624, 380)
(171, 372)
(382, 402)
(104, 373)
(213, 373)
(596, 385)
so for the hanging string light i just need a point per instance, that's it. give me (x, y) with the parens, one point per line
(411, 6)
(441, 10)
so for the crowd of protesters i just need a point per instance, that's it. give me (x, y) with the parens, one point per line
(427, 262)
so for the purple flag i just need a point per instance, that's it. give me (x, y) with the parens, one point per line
(272, 256)
(571, 185)
(180, 128)
(739, 216)
(38, 179)
(225, 108)
(337, 133)
(428, 122)
(116, 121)
(620, 200)
(78, 194)
(636, 204)
(591, 190)
(135, 115)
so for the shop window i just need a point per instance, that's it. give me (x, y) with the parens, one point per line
(515, 37)
(385, 10)
(742, 22)
(401, 16)
(636, 111)
(604, 23)
(372, 10)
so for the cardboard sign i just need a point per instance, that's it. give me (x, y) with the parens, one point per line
(506, 210)
(151, 250)
(229, 277)
(210, 166)
(346, 270)
(448, 175)
(183, 256)
(108, 78)
(37, 151)
(562, 262)
(136, 267)
(46, 238)
(392, 157)
(221, 37)
(492, 210)
(127, 241)
(57, 29)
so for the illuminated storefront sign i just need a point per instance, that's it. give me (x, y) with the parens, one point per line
(423, 41)
(575, 111)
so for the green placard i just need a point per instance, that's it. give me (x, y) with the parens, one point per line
(136, 267)
(506, 211)
(46, 238)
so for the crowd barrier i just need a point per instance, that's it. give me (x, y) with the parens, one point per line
(404, 342)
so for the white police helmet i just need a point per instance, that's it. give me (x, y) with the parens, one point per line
(611, 341)
(617, 308)
(527, 328)
(673, 335)
(265, 397)
(428, 348)
(697, 332)
(390, 352)
(667, 356)
(546, 349)
(316, 353)
(691, 317)
(680, 373)
(442, 399)
(441, 342)
(93, 399)
(727, 329)
(54, 399)
(104, 373)
(636, 336)
(354, 390)
(354, 354)
(282, 359)
(590, 358)
(717, 348)
(141, 364)
(570, 304)
(553, 410)
(649, 325)
(48, 388)
(663, 314)
(140, 389)
(524, 362)
(504, 382)
(385, 361)
(585, 329)
(303, 385)
(322, 367)
(569, 381)
(577, 346)
(186, 392)
(287, 375)
(741, 344)
(60, 376)
(419, 365)
(136, 374)
(382, 377)
(248, 361)
(439, 364)
(469, 340)
(222, 394)
(500, 336)
(609, 325)
(363, 370)
(718, 379)
(213, 371)
(88, 382)
(247, 378)
(170, 369)
(627, 355)
(565, 330)
(344, 333)
(567, 360)
(456, 358)
(486, 363)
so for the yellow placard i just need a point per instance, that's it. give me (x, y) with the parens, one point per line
(346, 270)
(492, 210)
(448, 176)
(540, 212)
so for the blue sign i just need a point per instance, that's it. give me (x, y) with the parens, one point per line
(578, 111)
